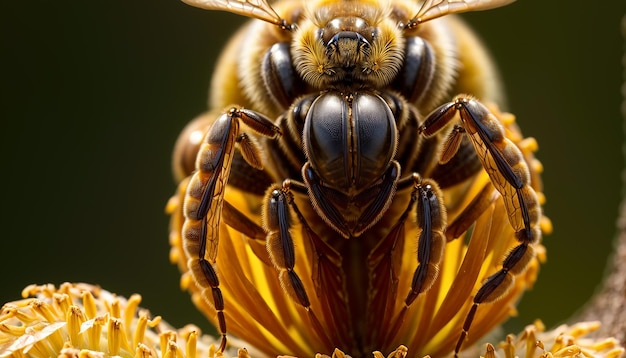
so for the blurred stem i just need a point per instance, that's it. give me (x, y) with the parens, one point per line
(609, 304)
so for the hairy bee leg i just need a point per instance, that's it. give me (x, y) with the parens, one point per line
(497, 285)
(431, 220)
(501, 158)
(280, 246)
(508, 171)
(204, 200)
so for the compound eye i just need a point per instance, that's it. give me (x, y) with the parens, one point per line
(350, 140)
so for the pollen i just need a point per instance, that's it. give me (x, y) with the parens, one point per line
(563, 341)
(82, 320)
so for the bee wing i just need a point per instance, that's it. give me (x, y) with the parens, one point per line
(489, 155)
(258, 9)
(510, 177)
(432, 9)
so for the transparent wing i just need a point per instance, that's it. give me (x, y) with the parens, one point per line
(493, 162)
(258, 9)
(432, 9)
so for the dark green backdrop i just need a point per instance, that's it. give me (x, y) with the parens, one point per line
(94, 94)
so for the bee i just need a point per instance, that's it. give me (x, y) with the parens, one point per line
(352, 130)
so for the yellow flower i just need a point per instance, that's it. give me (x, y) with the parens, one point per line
(258, 309)
(82, 320)
(562, 341)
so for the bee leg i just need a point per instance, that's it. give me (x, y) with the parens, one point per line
(204, 200)
(278, 222)
(498, 284)
(431, 220)
(280, 243)
(508, 171)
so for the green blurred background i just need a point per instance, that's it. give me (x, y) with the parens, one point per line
(94, 94)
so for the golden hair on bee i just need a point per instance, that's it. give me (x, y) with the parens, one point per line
(373, 58)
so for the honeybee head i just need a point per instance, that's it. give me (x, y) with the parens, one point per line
(339, 44)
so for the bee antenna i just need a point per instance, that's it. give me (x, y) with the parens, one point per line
(416, 20)
(284, 25)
